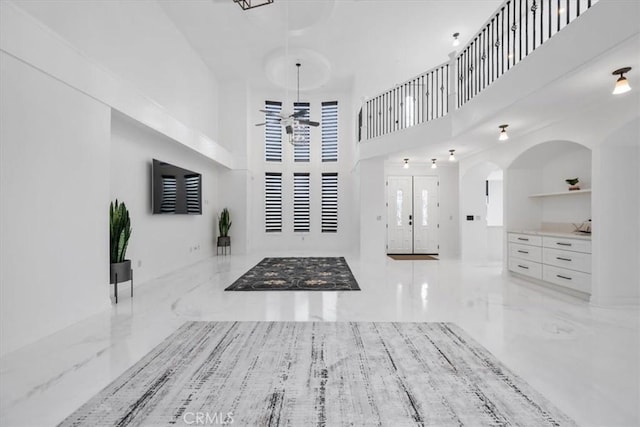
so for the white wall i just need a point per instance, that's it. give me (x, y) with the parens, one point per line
(137, 41)
(160, 243)
(478, 241)
(373, 211)
(54, 189)
(448, 233)
(616, 217)
(345, 240)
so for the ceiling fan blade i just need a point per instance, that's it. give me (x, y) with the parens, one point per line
(308, 122)
(261, 124)
(299, 113)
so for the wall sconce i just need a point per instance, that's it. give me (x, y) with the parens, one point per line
(452, 158)
(622, 85)
(433, 164)
(456, 42)
(503, 133)
(406, 164)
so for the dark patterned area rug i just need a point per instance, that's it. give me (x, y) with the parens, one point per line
(298, 274)
(318, 373)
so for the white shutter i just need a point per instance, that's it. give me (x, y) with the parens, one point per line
(273, 202)
(329, 202)
(301, 208)
(273, 131)
(301, 151)
(192, 185)
(330, 131)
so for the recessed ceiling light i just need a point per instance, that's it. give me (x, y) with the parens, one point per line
(622, 85)
(503, 133)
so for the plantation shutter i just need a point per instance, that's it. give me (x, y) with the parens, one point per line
(330, 131)
(273, 202)
(169, 194)
(329, 202)
(301, 208)
(301, 152)
(273, 131)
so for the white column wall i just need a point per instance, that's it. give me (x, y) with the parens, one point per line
(54, 189)
(616, 218)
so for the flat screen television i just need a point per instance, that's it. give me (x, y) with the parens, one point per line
(175, 190)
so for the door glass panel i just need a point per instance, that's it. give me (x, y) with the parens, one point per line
(399, 208)
(425, 206)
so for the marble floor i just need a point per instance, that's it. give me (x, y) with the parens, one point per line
(584, 359)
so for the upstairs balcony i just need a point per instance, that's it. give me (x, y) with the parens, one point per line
(443, 96)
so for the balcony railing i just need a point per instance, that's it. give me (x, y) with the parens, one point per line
(515, 30)
(423, 98)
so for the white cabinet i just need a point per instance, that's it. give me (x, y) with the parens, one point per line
(561, 260)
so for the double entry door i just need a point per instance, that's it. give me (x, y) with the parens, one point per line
(412, 215)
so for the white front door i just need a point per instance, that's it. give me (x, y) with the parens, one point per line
(400, 215)
(412, 215)
(425, 209)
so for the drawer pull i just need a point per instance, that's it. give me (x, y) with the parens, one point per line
(522, 238)
(563, 244)
(563, 259)
(563, 277)
(523, 266)
(523, 252)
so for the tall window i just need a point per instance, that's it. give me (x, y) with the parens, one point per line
(330, 131)
(301, 208)
(273, 202)
(329, 202)
(272, 131)
(301, 146)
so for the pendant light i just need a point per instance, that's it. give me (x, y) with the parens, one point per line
(503, 133)
(433, 164)
(622, 85)
(452, 158)
(406, 164)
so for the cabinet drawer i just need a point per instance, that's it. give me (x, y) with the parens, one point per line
(531, 253)
(567, 244)
(567, 278)
(567, 259)
(525, 239)
(528, 268)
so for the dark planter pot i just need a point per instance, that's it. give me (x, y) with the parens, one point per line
(122, 269)
(224, 241)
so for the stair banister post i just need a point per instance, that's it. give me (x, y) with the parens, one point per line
(365, 118)
(453, 83)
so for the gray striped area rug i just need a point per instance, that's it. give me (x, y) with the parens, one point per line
(318, 373)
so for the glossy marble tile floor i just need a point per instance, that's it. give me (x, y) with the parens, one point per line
(584, 359)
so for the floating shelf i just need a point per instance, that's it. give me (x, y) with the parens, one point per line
(562, 193)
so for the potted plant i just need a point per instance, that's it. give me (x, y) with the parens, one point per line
(120, 232)
(224, 224)
(574, 183)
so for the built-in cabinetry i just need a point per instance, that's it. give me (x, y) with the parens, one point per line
(562, 259)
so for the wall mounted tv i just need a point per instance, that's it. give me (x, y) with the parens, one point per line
(175, 190)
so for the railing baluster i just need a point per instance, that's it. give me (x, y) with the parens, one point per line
(568, 12)
(533, 26)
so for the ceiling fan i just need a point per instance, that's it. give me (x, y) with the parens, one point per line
(289, 121)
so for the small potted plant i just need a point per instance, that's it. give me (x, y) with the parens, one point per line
(224, 224)
(574, 183)
(120, 232)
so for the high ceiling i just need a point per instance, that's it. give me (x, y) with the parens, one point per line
(367, 44)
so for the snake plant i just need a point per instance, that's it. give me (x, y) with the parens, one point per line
(224, 223)
(120, 231)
